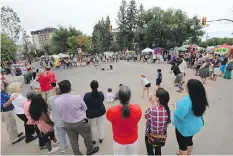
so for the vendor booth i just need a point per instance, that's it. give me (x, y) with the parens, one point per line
(56, 60)
(223, 50)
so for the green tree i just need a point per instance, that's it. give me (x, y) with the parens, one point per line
(140, 32)
(10, 23)
(101, 36)
(8, 48)
(81, 41)
(122, 26)
(60, 38)
(107, 36)
(114, 46)
(131, 20)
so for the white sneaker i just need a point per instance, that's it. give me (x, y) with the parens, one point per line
(63, 151)
(56, 143)
(55, 149)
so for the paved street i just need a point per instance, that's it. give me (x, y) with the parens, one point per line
(214, 139)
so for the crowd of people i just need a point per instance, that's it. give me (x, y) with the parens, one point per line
(53, 111)
(73, 115)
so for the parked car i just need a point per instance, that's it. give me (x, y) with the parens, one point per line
(16, 70)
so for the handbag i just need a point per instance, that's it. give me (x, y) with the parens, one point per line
(230, 67)
(156, 140)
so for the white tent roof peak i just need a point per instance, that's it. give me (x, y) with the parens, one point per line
(147, 50)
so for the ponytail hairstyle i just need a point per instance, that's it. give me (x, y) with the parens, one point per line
(94, 86)
(164, 98)
(124, 95)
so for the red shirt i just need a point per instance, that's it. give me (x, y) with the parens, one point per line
(44, 81)
(125, 131)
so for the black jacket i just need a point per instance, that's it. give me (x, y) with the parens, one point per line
(95, 105)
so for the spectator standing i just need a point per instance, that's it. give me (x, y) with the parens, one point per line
(45, 85)
(18, 103)
(38, 111)
(72, 110)
(188, 116)
(8, 116)
(58, 123)
(158, 118)
(30, 121)
(124, 119)
(95, 111)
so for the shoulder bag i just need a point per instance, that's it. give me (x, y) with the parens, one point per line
(156, 140)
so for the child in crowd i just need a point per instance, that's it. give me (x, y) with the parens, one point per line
(110, 96)
(158, 78)
(145, 84)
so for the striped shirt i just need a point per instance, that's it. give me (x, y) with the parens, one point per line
(157, 118)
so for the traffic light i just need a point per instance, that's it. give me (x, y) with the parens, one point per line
(203, 21)
(110, 28)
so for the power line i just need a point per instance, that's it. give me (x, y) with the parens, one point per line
(220, 20)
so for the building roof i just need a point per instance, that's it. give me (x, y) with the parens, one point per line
(49, 29)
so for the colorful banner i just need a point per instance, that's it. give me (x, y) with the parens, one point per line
(221, 51)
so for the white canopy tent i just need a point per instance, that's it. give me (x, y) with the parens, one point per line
(182, 48)
(108, 53)
(147, 50)
(61, 55)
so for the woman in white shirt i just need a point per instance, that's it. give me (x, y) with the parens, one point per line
(146, 85)
(110, 96)
(18, 103)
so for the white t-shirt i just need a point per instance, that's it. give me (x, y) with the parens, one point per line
(154, 56)
(182, 66)
(19, 103)
(145, 81)
(110, 97)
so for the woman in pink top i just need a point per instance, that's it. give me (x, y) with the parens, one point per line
(38, 111)
(30, 120)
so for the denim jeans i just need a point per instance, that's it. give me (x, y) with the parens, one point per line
(61, 133)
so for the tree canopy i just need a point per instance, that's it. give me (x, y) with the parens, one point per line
(216, 41)
(60, 38)
(154, 27)
(10, 23)
(8, 48)
(101, 36)
(81, 41)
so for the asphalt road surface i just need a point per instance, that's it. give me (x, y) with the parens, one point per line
(214, 139)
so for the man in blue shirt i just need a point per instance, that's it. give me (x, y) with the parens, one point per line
(8, 117)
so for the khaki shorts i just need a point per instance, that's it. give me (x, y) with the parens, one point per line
(46, 94)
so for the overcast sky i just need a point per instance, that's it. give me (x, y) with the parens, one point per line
(83, 14)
